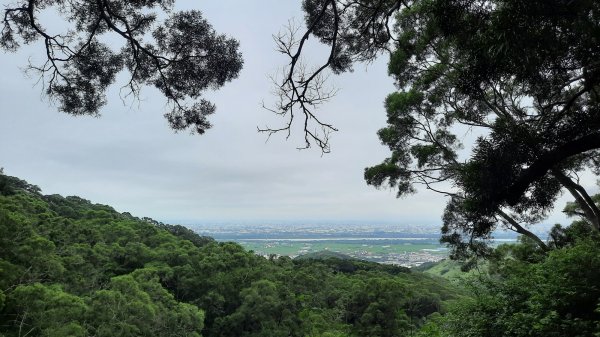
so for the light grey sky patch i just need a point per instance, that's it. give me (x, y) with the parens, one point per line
(130, 159)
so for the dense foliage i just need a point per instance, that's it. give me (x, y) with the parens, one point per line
(86, 44)
(522, 77)
(524, 292)
(72, 268)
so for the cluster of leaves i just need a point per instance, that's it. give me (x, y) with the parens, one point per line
(72, 268)
(526, 292)
(182, 57)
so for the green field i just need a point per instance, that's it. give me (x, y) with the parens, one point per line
(350, 248)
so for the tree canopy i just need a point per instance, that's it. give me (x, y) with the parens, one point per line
(181, 56)
(69, 267)
(522, 77)
(525, 292)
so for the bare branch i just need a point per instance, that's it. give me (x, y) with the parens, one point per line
(301, 90)
(521, 230)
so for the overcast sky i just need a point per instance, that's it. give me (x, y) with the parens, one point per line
(130, 159)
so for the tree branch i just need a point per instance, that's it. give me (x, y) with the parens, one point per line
(545, 162)
(521, 230)
(590, 210)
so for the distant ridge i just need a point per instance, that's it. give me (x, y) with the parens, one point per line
(323, 255)
(343, 263)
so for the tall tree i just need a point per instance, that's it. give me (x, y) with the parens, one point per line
(182, 56)
(523, 77)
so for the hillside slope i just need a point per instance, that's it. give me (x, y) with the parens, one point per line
(69, 267)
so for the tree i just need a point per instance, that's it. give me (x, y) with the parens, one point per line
(355, 31)
(137, 305)
(521, 76)
(553, 296)
(182, 57)
(47, 310)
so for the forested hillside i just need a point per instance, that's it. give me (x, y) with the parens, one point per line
(72, 268)
(523, 291)
(69, 267)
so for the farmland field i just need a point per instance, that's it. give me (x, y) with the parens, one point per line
(400, 245)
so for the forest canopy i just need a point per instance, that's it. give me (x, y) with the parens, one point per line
(69, 267)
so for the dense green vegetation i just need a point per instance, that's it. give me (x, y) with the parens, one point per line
(526, 292)
(72, 268)
(448, 269)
